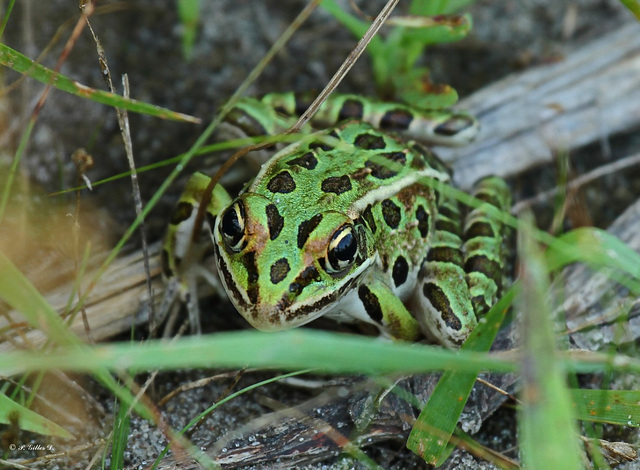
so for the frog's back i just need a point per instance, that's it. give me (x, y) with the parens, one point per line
(364, 168)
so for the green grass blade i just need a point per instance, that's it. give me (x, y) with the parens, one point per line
(596, 247)
(5, 17)
(633, 6)
(287, 350)
(22, 64)
(548, 433)
(18, 292)
(437, 30)
(441, 7)
(7, 190)
(120, 436)
(189, 12)
(620, 407)
(432, 430)
(27, 420)
(319, 350)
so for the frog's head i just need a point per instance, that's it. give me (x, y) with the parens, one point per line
(284, 270)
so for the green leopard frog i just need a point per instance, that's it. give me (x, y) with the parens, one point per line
(348, 223)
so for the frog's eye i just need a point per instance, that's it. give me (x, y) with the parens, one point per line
(342, 250)
(232, 227)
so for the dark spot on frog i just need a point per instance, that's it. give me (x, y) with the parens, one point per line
(350, 109)
(371, 303)
(306, 277)
(281, 183)
(166, 270)
(248, 260)
(396, 120)
(275, 221)
(436, 296)
(383, 171)
(336, 184)
(454, 125)
(488, 197)
(245, 122)
(181, 213)
(302, 102)
(422, 216)
(321, 146)
(306, 227)
(391, 213)
(448, 225)
(400, 271)
(368, 141)
(228, 279)
(308, 161)
(367, 215)
(449, 211)
(445, 254)
(479, 229)
(482, 264)
(279, 270)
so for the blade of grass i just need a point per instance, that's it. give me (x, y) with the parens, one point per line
(432, 430)
(27, 420)
(189, 12)
(5, 18)
(633, 6)
(320, 350)
(120, 436)
(596, 247)
(18, 292)
(22, 64)
(621, 407)
(548, 433)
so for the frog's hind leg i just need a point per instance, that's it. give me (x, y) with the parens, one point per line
(462, 275)
(486, 243)
(183, 259)
(442, 300)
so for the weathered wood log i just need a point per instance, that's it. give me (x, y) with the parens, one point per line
(528, 117)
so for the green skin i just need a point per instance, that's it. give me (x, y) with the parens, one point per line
(352, 228)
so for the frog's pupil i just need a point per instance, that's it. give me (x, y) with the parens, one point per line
(342, 250)
(346, 249)
(232, 225)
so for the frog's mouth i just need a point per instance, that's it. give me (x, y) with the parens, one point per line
(290, 308)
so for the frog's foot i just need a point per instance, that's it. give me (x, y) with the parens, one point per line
(385, 310)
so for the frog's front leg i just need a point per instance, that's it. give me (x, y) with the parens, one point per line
(183, 255)
(384, 309)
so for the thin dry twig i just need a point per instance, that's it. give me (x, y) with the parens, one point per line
(125, 130)
(346, 65)
(308, 114)
(253, 75)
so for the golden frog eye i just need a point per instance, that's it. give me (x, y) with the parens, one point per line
(342, 250)
(232, 227)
